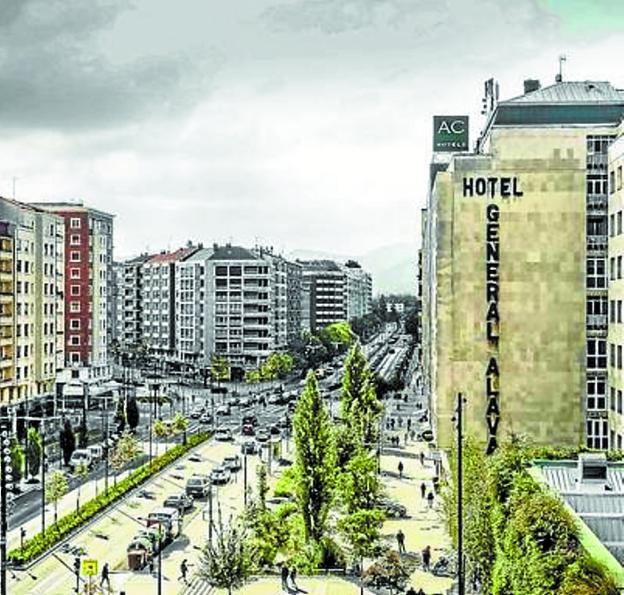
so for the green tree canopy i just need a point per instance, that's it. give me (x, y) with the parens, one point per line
(315, 459)
(220, 368)
(56, 487)
(34, 451)
(67, 441)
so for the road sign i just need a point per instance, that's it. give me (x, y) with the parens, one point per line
(90, 567)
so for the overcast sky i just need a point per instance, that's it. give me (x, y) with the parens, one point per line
(296, 123)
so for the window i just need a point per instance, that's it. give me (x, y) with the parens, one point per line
(612, 225)
(612, 399)
(596, 394)
(619, 223)
(75, 290)
(611, 181)
(619, 401)
(611, 310)
(612, 355)
(74, 223)
(619, 357)
(74, 239)
(597, 433)
(596, 273)
(596, 354)
(612, 268)
(74, 357)
(74, 307)
(619, 177)
(74, 256)
(619, 311)
(74, 324)
(619, 267)
(74, 273)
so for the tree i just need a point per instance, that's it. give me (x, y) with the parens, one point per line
(161, 430)
(120, 415)
(315, 459)
(219, 368)
(359, 483)
(67, 441)
(34, 451)
(132, 413)
(227, 563)
(263, 486)
(17, 460)
(126, 450)
(179, 425)
(361, 531)
(56, 487)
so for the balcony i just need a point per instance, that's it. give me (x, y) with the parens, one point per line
(5, 319)
(597, 203)
(596, 322)
(597, 243)
(5, 341)
(6, 362)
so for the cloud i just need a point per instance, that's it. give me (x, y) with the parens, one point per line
(53, 75)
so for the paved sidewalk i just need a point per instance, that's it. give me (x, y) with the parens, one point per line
(423, 526)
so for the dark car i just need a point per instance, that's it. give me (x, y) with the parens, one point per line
(252, 420)
(248, 430)
(181, 501)
(249, 447)
(426, 435)
(275, 431)
(292, 406)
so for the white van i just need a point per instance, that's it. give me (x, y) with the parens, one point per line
(81, 456)
(170, 520)
(97, 452)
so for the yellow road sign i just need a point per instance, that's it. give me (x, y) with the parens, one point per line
(90, 567)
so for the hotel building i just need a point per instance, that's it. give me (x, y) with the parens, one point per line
(515, 283)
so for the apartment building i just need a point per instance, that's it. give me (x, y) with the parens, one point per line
(325, 290)
(294, 299)
(240, 296)
(31, 300)
(598, 311)
(514, 273)
(127, 304)
(191, 306)
(278, 268)
(359, 289)
(88, 285)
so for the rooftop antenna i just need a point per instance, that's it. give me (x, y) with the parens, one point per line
(562, 59)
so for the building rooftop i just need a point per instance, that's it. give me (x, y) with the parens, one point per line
(575, 92)
(179, 254)
(320, 265)
(229, 252)
(201, 254)
(598, 502)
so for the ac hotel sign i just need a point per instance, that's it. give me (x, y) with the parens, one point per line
(492, 188)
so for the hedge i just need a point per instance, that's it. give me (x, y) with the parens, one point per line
(55, 533)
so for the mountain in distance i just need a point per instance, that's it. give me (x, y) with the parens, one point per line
(394, 267)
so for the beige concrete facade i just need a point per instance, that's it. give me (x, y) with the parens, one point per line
(542, 355)
(616, 292)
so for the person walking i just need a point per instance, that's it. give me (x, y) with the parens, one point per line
(183, 571)
(104, 577)
(410, 591)
(400, 467)
(293, 579)
(426, 558)
(400, 536)
(430, 500)
(422, 458)
(409, 423)
(423, 490)
(284, 574)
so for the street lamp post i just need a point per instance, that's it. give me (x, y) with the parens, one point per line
(245, 478)
(460, 514)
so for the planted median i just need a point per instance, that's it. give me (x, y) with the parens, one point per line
(40, 543)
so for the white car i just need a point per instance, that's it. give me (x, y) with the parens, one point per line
(80, 456)
(223, 434)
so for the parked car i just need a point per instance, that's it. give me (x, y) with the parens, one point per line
(250, 419)
(274, 399)
(168, 519)
(292, 406)
(197, 486)
(223, 410)
(275, 431)
(196, 414)
(284, 422)
(233, 463)
(394, 510)
(180, 501)
(223, 434)
(262, 435)
(248, 430)
(206, 418)
(246, 402)
(220, 475)
(97, 452)
(426, 435)
(233, 401)
(80, 456)
(249, 447)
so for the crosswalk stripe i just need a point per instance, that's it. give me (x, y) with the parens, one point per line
(197, 587)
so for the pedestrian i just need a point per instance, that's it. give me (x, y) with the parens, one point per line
(400, 536)
(436, 484)
(410, 591)
(151, 565)
(183, 571)
(409, 423)
(412, 435)
(422, 458)
(293, 579)
(392, 422)
(423, 490)
(426, 558)
(104, 577)
(284, 574)
(400, 467)
(421, 592)
(405, 399)
(430, 500)
(406, 437)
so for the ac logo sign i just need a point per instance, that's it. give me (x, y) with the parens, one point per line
(450, 133)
